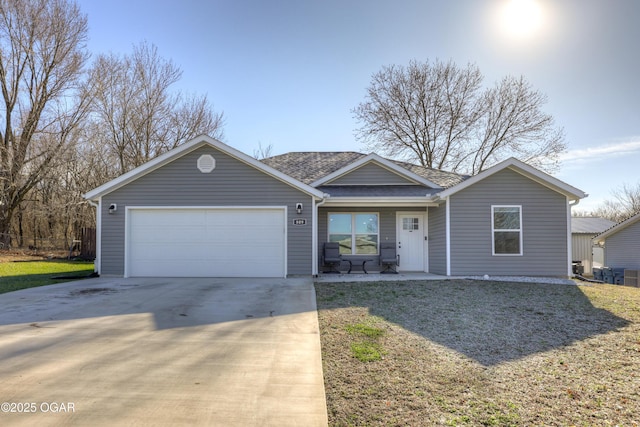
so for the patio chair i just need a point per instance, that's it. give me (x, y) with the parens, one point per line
(388, 258)
(331, 256)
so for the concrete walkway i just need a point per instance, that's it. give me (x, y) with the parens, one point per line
(162, 352)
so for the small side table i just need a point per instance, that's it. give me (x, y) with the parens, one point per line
(363, 265)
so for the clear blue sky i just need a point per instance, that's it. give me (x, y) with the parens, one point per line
(288, 72)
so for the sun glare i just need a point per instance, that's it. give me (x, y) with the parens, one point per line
(522, 18)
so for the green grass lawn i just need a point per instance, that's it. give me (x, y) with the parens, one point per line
(30, 274)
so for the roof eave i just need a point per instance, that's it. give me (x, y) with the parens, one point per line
(424, 201)
(187, 147)
(572, 193)
(616, 228)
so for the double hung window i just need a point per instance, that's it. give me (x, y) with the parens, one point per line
(506, 227)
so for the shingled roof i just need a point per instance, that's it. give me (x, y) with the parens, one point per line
(309, 167)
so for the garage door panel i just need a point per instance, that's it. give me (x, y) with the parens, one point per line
(206, 242)
(168, 235)
(169, 218)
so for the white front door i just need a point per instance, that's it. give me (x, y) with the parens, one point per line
(412, 239)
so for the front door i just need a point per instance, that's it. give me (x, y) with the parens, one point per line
(411, 241)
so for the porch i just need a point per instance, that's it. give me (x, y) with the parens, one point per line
(377, 277)
(361, 230)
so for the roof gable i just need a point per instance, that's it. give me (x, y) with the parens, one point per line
(186, 148)
(617, 228)
(371, 173)
(382, 163)
(311, 167)
(524, 169)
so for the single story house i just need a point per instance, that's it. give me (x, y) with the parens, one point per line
(583, 230)
(206, 209)
(622, 244)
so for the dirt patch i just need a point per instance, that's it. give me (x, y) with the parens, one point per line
(482, 353)
(30, 255)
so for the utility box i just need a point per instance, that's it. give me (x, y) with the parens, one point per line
(631, 278)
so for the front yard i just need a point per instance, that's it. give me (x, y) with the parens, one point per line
(22, 272)
(475, 353)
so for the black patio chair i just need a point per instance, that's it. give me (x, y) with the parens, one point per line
(389, 258)
(331, 256)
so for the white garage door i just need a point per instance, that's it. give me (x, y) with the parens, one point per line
(213, 242)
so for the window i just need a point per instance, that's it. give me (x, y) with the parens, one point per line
(410, 224)
(506, 225)
(357, 233)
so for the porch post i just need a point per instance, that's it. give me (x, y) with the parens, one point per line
(314, 237)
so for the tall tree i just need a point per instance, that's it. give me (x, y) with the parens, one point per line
(440, 116)
(42, 55)
(624, 204)
(137, 116)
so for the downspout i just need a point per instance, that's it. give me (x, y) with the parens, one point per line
(447, 229)
(96, 262)
(314, 234)
(569, 237)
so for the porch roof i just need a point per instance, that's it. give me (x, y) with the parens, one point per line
(378, 191)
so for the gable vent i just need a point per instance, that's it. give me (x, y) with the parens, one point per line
(206, 163)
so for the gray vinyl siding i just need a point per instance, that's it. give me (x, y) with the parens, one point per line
(386, 229)
(437, 240)
(622, 249)
(370, 174)
(544, 228)
(231, 183)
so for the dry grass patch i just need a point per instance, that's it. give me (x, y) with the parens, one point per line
(481, 353)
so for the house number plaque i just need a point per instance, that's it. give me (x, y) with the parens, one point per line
(300, 221)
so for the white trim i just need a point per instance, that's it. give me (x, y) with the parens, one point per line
(97, 262)
(186, 148)
(524, 169)
(493, 230)
(424, 202)
(127, 225)
(314, 238)
(447, 230)
(569, 241)
(315, 260)
(384, 163)
(425, 240)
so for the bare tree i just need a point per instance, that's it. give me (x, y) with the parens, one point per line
(136, 115)
(440, 116)
(261, 152)
(512, 124)
(42, 54)
(625, 203)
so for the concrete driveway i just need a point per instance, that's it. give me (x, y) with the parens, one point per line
(162, 352)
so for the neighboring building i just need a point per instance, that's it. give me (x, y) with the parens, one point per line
(622, 244)
(206, 209)
(583, 230)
